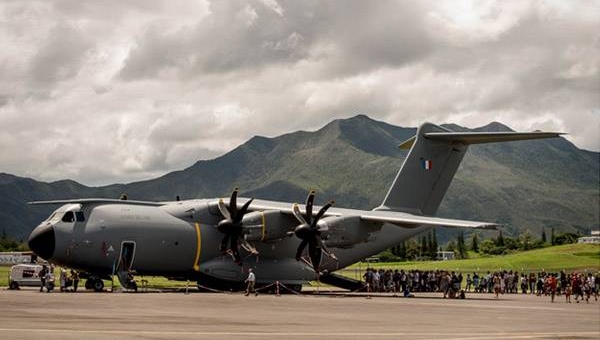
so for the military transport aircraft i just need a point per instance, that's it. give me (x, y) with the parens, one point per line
(215, 241)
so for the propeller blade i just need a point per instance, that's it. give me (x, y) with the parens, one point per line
(223, 210)
(314, 251)
(321, 213)
(324, 248)
(223, 245)
(301, 249)
(241, 212)
(233, 203)
(235, 250)
(249, 247)
(309, 206)
(298, 214)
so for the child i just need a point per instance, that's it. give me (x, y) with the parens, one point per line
(568, 293)
(588, 291)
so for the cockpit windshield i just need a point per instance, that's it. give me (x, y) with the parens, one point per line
(55, 217)
(67, 213)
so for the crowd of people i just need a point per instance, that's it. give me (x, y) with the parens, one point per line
(69, 281)
(581, 286)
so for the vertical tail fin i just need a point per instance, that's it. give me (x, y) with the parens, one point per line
(435, 155)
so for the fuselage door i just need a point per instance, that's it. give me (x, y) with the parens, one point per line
(126, 256)
(124, 268)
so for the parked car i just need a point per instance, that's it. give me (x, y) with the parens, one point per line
(25, 275)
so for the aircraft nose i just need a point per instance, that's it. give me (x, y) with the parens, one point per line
(42, 241)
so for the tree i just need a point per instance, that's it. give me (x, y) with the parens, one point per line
(526, 240)
(451, 246)
(423, 246)
(412, 249)
(566, 238)
(434, 246)
(429, 245)
(402, 251)
(500, 240)
(552, 237)
(475, 243)
(460, 245)
(543, 235)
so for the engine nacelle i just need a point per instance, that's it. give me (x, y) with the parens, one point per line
(194, 211)
(267, 225)
(344, 231)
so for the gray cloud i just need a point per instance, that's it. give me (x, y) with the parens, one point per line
(106, 92)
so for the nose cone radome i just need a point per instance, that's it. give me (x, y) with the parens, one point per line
(42, 241)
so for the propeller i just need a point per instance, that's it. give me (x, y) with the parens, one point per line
(308, 231)
(232, 227)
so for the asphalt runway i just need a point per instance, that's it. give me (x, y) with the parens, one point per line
(28, 314)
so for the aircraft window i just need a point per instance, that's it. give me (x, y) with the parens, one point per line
(51, 216)
(55, 217)
(69, 217)
(79, 216)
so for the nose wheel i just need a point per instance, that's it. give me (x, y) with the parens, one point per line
(94, 283)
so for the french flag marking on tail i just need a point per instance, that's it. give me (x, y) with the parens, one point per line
(427, 165)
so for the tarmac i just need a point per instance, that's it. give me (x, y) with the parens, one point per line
(29, 314)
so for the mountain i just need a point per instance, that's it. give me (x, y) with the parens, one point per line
(524, 185)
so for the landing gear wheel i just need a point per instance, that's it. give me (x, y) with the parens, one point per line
(88, 284)
(14, 285)
(98, 285)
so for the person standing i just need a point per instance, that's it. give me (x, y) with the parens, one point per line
(552, 286)
(568, 293)
(469, 282)
(50, 279)
(63, 279)
(496, 284)
(75, 278)
(251, 280)
(42, 276)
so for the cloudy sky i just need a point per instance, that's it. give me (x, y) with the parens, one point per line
(113, 91)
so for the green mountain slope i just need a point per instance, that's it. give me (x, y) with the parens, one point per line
(526, 185)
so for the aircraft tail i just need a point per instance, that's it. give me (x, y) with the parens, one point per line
(435, 155)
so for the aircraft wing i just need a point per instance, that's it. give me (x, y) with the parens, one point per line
(400, 219)
(97, 201)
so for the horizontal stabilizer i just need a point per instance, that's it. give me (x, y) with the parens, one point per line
(487, 137)
(468, 138)
(414, 221)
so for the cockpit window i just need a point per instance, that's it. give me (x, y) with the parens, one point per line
(55, 217)
(69, 217)
(79, 216)
(51, 217)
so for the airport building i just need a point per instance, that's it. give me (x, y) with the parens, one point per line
(594, 238)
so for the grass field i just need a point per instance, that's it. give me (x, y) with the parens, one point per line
(571, 257)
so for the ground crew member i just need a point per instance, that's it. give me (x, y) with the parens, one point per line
(42, 276)
(251, 280)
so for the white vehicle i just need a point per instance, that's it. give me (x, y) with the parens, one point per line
(24, 275)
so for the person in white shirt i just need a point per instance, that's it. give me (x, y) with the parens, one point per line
(251, 280)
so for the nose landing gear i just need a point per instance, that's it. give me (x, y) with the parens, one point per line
(95, 283)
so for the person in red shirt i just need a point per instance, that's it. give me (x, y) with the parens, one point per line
(576, 286)
(552, 286)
